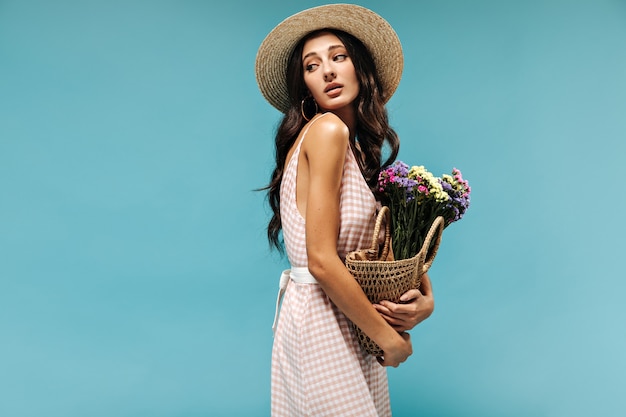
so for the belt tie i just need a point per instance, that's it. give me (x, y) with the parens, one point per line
(299, 274)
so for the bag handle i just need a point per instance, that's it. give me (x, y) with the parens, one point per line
(383, 214)
(435, 231)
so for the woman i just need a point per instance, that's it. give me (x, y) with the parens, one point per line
(330, 70)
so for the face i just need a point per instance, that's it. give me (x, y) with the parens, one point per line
(329, 73)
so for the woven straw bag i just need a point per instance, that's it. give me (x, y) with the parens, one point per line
(383, 278)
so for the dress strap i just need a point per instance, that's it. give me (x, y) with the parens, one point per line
(308, 125)
(299, 274)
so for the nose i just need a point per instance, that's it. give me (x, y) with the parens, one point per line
(329, 74)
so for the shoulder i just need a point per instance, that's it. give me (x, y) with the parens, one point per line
(329, 123)
(327, 130)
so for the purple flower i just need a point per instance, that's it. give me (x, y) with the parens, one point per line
(394, 180)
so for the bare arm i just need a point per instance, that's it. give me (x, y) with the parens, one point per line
(325, 149)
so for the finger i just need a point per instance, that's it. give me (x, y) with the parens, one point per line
(393, 309)
(391, 306)
(410, 295)
(383, 362)
(406, 336)
(398, 324)
(394, 321)
(396, 311)
(383, 309)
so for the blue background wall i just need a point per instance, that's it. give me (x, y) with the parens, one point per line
(135, 279)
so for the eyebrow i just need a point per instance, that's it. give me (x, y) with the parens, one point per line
(330, 48)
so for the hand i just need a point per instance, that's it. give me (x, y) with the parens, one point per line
(417, 307)
(399, 352)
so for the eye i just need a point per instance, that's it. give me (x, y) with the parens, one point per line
(340, 57)
(310, 67)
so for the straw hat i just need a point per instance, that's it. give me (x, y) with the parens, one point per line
(375, 32)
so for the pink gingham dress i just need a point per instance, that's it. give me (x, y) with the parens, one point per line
(318, 367)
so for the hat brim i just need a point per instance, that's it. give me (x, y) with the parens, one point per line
(375, 32)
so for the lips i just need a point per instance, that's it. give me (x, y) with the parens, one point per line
(332, 86)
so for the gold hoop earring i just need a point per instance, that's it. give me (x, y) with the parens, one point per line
(306, 107)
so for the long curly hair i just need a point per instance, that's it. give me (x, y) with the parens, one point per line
(372, 123)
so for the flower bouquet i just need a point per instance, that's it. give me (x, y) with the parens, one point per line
(416, 208)
(416, 198)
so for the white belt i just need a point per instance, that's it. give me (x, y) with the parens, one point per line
(299, 274)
